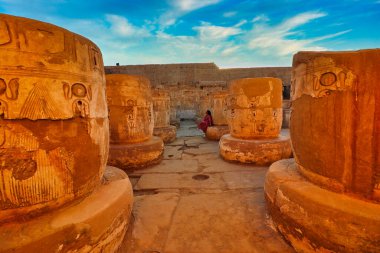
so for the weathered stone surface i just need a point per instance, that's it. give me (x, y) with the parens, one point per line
(53, 117)
(253, 179)
(161, 108)
(172, 166)
(173, 152)
(219, 222)
(224, 213)
(214, 133)
(130, 156)
(218, 107)
(202, 149)
(179, 181)
(335, 123)
(205, 103)
(313, 219)
(96, 224)
(167, 134)
(153, 216)
(131, 108)
(254, 108)
(286, 111)
(254, 114)
(259, 152)
(131, 122)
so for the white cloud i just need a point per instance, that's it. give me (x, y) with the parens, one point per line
(229, 14)
(242, 22)
(179, 8)
(262, 18)
(211, 32)
(190, 5)
(121, 26)
(275, 39)
(230, 50)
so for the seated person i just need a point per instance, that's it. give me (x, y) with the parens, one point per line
(206, 122)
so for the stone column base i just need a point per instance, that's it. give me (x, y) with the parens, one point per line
(167, 134)
(139, 155)
(313, 219)
(258, 151)
(214, 133)
(96, 224)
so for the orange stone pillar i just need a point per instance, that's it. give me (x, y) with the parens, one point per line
(335, 131)
(218, 108)
(161, 108)
(54, 143)
(254, 114)
(130, 103)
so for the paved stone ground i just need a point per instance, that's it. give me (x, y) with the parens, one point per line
(188, 128)
(194, 202)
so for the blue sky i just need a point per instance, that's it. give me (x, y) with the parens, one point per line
(231, 33)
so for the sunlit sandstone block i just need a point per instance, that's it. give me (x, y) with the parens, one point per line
(335, 137)
(131, 122)
(161, 109)
(205, 103)
(53, 137)
(96, 224)
(53, 117)
(254, 115)
(218, 109)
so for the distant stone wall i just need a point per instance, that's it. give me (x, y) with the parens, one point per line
(193, 73)
(188, 82)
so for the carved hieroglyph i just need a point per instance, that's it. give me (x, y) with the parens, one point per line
(131, 108)
(53, 116)
(218, 107)
(335, 119)
(161, 108)
(254, 108)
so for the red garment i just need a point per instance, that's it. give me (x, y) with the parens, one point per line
(205, 123)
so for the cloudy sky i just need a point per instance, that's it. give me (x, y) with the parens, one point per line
(231, 33)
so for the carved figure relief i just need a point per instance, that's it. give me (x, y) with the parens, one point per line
(40, 105)
(324, 76)
(254, 107)
(47, 171)
(46, 82)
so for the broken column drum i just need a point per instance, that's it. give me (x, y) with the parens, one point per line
(218, 108)
(161, 109)
(53, 130)
(131, 122)
(254, 114)
(335, 137)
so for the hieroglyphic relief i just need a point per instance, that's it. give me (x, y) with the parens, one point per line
(131, 108)
(80, 95)
(48, 157)
(37, 169)
(254, 107)
(324, 76)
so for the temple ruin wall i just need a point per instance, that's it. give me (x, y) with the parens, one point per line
(187, 82)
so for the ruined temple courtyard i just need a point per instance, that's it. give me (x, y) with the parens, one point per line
(194, 201)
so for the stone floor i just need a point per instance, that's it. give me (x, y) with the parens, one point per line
(188, 128)
(194, 202)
